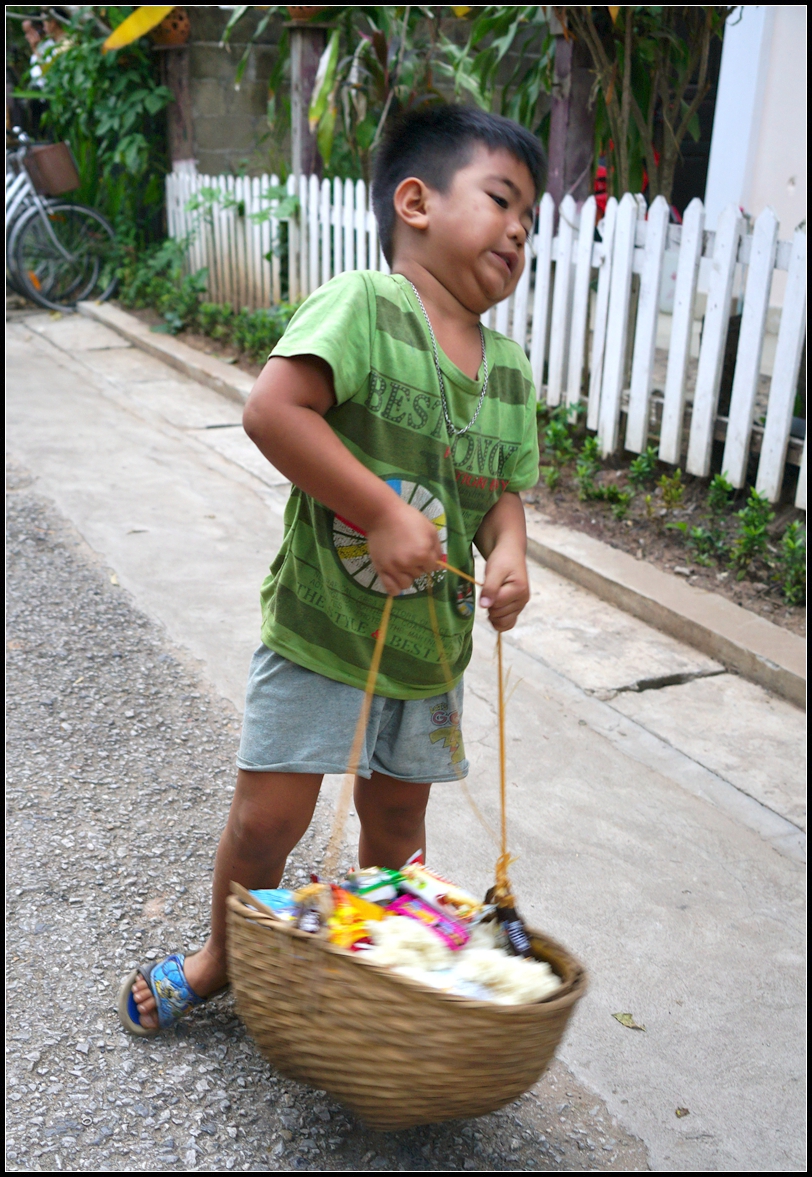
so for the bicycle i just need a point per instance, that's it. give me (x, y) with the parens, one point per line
(57, 253)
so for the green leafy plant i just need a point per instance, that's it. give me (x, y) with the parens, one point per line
(506, 63)
(791, 564)
(651, 67)
(587, 468)
(619, 500)
(110, 109)
(673, 490)
(643, 468)
(750, 543)
(705, 545)
(720, 493)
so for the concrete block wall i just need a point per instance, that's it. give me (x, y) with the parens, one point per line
(231, 131)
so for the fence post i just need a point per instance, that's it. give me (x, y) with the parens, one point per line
(617, 324)
(338, 227)
(559, 325)
(714, 338)
(751, 340)
(325, 219)
(800, 495)
(784, 382)
(360, 225)
(580, 300)
(293, 246)
(645, 336)
(272, 240)
(349, 225)
(313, 235)
(601, 315)
(541, 292)
(682, 325)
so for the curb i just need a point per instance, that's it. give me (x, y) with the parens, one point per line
(229, 382)
(742, 641)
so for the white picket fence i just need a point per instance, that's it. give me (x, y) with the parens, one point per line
(585, 345)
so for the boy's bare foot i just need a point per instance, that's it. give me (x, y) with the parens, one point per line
(205, 972)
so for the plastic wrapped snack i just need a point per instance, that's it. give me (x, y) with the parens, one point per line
(280, 901)
(438, 892)
(347, 926)
(374, 884)
(452, 933)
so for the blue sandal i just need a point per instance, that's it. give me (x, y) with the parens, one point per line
(173, 996)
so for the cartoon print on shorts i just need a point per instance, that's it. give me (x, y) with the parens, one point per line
(446, 724)
(351, 546)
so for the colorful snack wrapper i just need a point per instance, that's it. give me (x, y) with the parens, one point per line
(438, 892)
(374, 883)
(453, 934)
(347, 925)
(280, 901)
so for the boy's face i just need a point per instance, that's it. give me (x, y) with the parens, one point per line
(476, 231)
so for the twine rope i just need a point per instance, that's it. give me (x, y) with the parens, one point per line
(503, 888)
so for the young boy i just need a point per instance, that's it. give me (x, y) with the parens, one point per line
(408, 431)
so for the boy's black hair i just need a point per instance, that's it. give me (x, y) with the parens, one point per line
(433, 143)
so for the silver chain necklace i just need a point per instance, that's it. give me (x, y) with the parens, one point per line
(451, 427)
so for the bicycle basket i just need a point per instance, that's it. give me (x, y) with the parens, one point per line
(52, 169)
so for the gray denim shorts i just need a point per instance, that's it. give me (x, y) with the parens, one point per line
(299, 721)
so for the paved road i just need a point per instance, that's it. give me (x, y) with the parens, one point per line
(658, 833)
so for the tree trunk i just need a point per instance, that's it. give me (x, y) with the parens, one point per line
(306, 47)
(572, 124)
(175, 71)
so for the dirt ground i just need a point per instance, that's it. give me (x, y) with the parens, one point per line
(220, 349)
(648, 538)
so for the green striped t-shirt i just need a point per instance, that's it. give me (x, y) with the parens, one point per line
(322, 600)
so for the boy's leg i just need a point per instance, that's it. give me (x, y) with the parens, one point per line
(393, 820)
(269, 814)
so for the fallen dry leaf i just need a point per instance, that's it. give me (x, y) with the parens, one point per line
(628, 1021)
(682, 1112)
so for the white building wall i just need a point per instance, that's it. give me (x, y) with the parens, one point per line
(778, 176)
(758, 146)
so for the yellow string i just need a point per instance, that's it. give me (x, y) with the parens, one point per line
(503, 890)
(340, 819)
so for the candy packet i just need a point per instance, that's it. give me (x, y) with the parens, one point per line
(438, 892)
(280, 901)
(347, 926)
(374, 883)
(451, 931)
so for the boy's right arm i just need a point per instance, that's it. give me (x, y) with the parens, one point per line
(284, 417)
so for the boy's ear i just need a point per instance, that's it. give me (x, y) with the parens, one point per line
(411, 203)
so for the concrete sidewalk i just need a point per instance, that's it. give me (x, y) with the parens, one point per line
(658, 828)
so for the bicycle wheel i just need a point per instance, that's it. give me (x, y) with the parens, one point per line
(62, 255)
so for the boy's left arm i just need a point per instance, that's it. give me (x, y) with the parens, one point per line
(502, 540)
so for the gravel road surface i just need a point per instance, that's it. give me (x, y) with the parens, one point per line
(120, 768)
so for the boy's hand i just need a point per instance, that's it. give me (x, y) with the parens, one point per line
(506, 590)
(402, 546)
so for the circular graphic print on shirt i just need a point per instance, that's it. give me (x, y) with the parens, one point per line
(351, 543)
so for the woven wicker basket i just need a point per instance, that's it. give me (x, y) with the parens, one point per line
(393, 1051)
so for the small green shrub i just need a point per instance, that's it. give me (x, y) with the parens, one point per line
(586, 468)
(791, 564)
(255, 333)
(618, 499)
(705, 546)
(720, 492)
(643, 468)
(214, 319)
(750, 543)
(673, 490)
